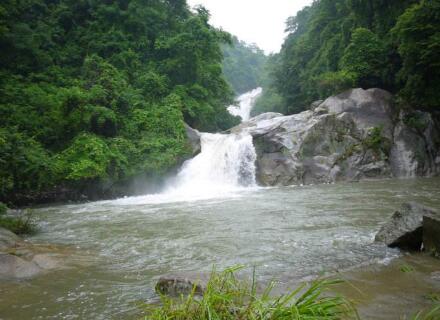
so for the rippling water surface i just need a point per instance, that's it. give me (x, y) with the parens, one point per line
(287, 233)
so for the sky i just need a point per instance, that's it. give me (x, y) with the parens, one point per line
(253, 21)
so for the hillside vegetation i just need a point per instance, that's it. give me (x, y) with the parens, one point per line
(97, 92)
(243, 65)
(334, 45)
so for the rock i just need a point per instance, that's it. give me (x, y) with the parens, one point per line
(315, 104)
(194, 139)
(13, 267)
(405, 229)
(431, 234)
(416, 145)
(46, 261)
(356, 135)
(8, 239)
(183, 284)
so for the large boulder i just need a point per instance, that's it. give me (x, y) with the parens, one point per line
(346, 137)
(431, 234)
(358, 134)
(405, 228)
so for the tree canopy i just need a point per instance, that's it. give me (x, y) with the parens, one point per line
(99, 90)
(334, 45)
(243, 65)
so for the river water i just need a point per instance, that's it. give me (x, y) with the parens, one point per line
(213, 213)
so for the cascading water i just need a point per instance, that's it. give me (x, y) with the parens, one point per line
(226, 161)
(225, 165)
(246, 102)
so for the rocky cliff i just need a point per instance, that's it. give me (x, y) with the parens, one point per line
(355, 135)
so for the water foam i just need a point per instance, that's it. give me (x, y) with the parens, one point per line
(246, 102)
(225, 165)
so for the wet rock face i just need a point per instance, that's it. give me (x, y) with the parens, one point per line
(193, 139)
(405, 229)
(358, 134)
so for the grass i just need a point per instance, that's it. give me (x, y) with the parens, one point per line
(18, 225)
(226, 298)
(432, 314)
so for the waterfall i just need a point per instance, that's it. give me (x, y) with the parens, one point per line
(246, 102)
(226, 161)
(225, 164)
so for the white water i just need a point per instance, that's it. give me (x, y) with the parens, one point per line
(246, 102)
(225, 165)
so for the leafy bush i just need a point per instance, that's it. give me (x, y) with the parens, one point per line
(19, 225)
(226, 297)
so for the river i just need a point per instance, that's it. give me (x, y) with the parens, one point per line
(214, 213)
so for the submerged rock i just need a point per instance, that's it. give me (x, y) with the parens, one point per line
(355, 135)
(182, 284)
(405, 228)
(13, 267)
(431, 234)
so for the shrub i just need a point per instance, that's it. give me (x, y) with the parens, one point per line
(19, 225)
(226, 297)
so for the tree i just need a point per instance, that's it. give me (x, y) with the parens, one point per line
(417, 33)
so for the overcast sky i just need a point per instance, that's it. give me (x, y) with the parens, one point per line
(254, 21)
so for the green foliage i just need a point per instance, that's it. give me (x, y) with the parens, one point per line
(3, 209)
(19, 225)
(226, 297)
(243, 65)
(329, 83)
(406, 268)
(365, 57)
(431, 314)
(99, 91)
(376, 141)
(336, 44)
(417, 33)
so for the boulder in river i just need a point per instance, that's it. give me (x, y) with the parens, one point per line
(358, 134)
(431, 234)
(182, 284)
(405, 228)
(14, 267)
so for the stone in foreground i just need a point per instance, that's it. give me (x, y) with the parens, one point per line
(176, 285)
(405, 229)
(431, 234)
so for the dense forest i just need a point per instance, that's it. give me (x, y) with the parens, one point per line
(243, 65)
(334, 45)
(94, 92)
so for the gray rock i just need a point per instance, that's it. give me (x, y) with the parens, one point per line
(182, 284)
(405, 228)
(13, 267)
(193, 139)
(356, 135)
(8, 239)
(431, 234)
